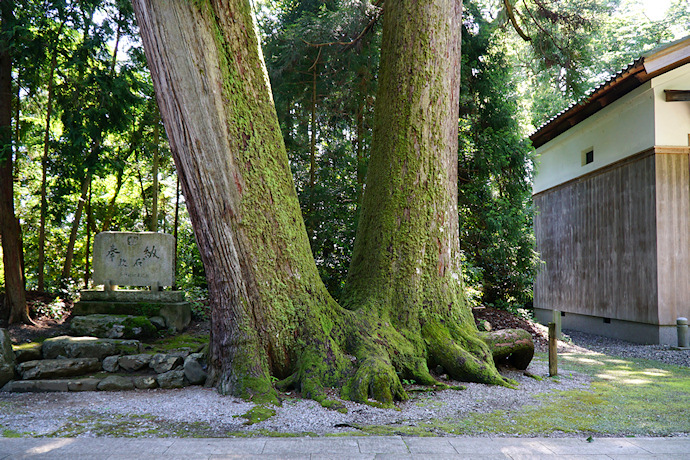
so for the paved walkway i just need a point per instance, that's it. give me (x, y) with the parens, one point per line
(342, 448)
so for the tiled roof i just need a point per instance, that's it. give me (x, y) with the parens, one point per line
(652, 64)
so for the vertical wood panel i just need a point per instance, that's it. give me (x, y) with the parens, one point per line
(673, 241)
(597, 237)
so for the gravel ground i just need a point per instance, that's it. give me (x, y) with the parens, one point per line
(583, 342)
(201, 411)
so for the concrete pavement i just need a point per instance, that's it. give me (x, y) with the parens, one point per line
(343, 448)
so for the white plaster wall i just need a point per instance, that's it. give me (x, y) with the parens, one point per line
(672, 119)
(620, 129)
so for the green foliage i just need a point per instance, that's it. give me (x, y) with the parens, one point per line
(55, 309)
(324, 99)
(104, 132)
(494, 171)
(198, 297)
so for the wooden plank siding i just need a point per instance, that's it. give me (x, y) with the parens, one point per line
(673, 230)
(597, 237)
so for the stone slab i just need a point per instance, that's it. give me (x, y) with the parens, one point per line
(88, 347)
(113, 326)
(116, 383)
(605, 446)
(36, 386)
(177, 315)
(88, 384)
(430, 445)
(7, 358)
(55, 368)
(133, 259)
(311, 445)
(132, 295)
(382, 444)
(27, 352)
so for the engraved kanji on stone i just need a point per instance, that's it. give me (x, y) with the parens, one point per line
(112, 252)
(150, 253)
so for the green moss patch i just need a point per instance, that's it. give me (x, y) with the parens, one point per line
(627, 397)
(177, 342)
(257, 414)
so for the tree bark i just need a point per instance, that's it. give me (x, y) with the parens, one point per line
(69, 251)
(405, 266)
(213, 94)
(270, 313)
(15, 294)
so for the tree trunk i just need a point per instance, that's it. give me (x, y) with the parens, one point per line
(153, 222)
(270, 313)
(110, 210)
(213, 94)
(69, 251)
(15, 294)
(44, 173)
(405, 266)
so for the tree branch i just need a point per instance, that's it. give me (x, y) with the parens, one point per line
(354, 41)
(513, 21)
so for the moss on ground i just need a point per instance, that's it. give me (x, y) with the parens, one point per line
(176, 342)
(6, 433)
(257, 414)
(627, 397)
(28, 345)
(132, 426)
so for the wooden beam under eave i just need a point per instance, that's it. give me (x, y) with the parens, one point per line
(675, 95)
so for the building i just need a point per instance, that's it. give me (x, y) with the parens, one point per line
(612, 194)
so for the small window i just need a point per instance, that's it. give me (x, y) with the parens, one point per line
(587, 156)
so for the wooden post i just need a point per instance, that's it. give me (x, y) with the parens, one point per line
(553, 346)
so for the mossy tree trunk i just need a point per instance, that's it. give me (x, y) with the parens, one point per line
(405, 269)
(267, 300)
(271, 315)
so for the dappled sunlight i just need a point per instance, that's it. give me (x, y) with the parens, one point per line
(631, 377)
(611, 377)
(581, 359)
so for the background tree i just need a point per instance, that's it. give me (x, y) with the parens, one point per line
(495, 169)
(15, 296)
(322, 59)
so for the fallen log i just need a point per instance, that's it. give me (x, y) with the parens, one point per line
(512, 345)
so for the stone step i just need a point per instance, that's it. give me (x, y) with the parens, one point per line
(177, 315)
(88, 347)
(167, 380)
(54, 385)
(140, 296)
(113, 326)
(55, 368)
(143, 371)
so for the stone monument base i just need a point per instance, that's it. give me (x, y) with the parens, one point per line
(169, 305)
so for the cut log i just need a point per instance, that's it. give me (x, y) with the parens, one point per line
(512, 345)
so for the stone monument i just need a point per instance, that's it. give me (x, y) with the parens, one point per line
(134, 259)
